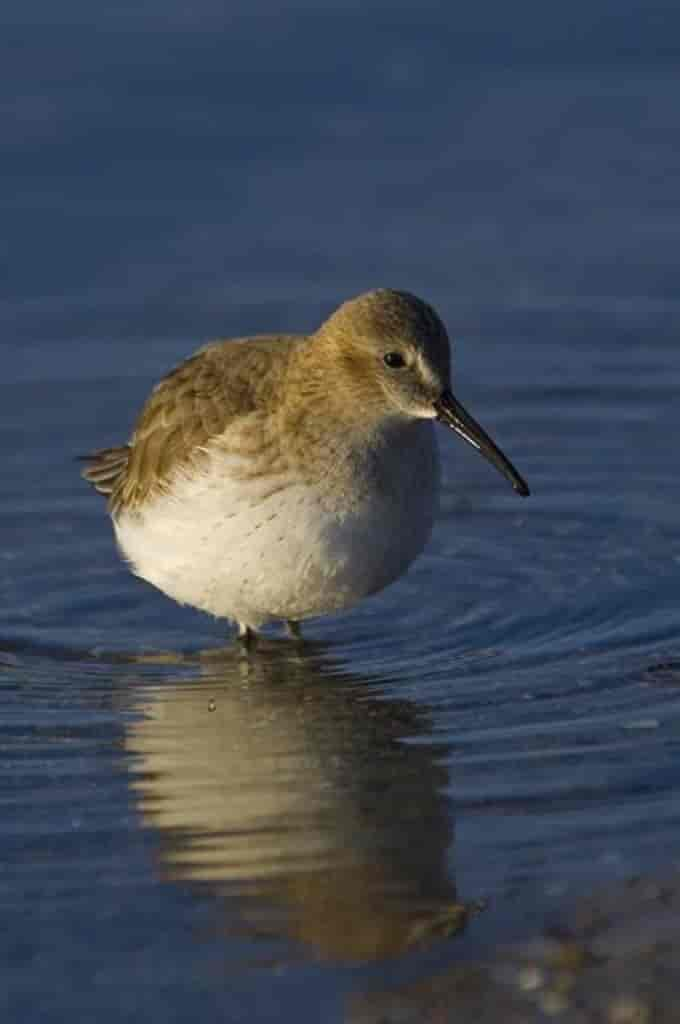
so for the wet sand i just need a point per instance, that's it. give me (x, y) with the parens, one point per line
(613, 958)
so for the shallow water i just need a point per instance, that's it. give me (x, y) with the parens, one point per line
(185, 831)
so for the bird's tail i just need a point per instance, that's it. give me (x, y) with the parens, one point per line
(105, 466)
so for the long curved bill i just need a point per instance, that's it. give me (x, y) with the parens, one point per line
(451, 412)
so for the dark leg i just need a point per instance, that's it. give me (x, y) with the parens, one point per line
(247, 637)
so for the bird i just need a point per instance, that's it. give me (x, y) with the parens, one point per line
(284, 477)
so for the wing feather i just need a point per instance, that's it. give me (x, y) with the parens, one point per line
(194, 404)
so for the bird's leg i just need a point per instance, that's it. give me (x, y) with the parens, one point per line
(247, 637)
(294, 630)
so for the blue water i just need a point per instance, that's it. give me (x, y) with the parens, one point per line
(185, 834)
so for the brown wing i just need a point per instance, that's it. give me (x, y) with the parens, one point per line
(193, 404)
(105, 466)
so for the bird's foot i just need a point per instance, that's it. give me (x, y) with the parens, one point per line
(247, 638)
(293, 629)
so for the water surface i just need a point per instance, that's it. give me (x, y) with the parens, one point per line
(186, 832)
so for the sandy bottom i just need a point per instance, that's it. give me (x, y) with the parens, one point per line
(614, 958)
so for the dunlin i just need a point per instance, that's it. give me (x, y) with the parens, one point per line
(284, 477)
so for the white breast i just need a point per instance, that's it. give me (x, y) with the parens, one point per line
(238, 549)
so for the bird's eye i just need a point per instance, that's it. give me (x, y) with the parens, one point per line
(394, 360)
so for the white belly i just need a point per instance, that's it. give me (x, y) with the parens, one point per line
(231, 548)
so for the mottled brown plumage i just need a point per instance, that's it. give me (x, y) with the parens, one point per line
(288, 375)
(190, 407)
(289, 476)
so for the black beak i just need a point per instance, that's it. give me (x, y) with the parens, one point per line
(451, 412)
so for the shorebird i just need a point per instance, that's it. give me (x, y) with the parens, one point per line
(286, 477)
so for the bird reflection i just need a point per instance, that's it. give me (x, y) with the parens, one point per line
(294, 789)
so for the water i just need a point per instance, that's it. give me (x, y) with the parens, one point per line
(185, 833)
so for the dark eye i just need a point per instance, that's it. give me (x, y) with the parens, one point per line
(394, 360)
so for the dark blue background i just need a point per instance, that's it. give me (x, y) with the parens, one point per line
(505, 720)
